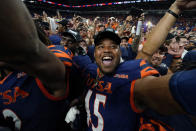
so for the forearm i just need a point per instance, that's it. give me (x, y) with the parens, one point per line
(159, 34)
(154, 93)
(168, 95)
(94, 29)
(120, 31)
(135, 44)
(22, 49)
(18, 33)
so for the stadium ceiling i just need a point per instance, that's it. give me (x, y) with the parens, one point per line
(149, 6)
(82, 2)
(100, 4)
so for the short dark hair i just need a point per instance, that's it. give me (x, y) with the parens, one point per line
(179, 37)
(167, 42)
(170, 36)
(42, 35)
(163, 49)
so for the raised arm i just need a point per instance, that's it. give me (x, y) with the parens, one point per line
(159, 33)
(22, 49)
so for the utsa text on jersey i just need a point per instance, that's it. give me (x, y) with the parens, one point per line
(10, 96)
(99, 85)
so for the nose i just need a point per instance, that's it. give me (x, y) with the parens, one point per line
(175, 46)
(156, 55)
(106, 49)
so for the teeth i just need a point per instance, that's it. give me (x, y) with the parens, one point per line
(107, 58)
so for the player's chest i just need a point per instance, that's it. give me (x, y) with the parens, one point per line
(108, 85)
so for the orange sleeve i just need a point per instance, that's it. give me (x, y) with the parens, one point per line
(50, 96)
(147, 70)
(132, 102)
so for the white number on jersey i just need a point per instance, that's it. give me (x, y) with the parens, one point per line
(99, 99)
(9, 113)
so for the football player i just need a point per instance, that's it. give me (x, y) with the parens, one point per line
(33, 94)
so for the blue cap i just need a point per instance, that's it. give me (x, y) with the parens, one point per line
(55, 39)
(190, 56)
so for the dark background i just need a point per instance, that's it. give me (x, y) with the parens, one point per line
(153, 8)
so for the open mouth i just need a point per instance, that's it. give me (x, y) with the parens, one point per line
(174, 50)
(107, 60)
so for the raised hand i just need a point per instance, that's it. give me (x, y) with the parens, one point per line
(185, 4)
(141, 18)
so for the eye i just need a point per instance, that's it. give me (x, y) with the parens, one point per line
(113, 46)
(100, 47)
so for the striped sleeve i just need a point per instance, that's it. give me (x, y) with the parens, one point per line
(146, 69)
(64, 54)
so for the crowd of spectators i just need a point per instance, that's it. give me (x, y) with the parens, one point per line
(180, 40)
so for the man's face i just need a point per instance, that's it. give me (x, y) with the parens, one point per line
(83, 45)
(124, 43)
(69, 43)
(174, 46)
(107, 56)
(157, 58)
(83, 33)
(102, 28)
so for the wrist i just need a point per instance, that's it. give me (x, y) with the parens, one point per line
(174, 8)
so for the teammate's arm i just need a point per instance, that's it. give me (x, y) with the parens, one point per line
(170, 94)
(159, 33)
(22, 49)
